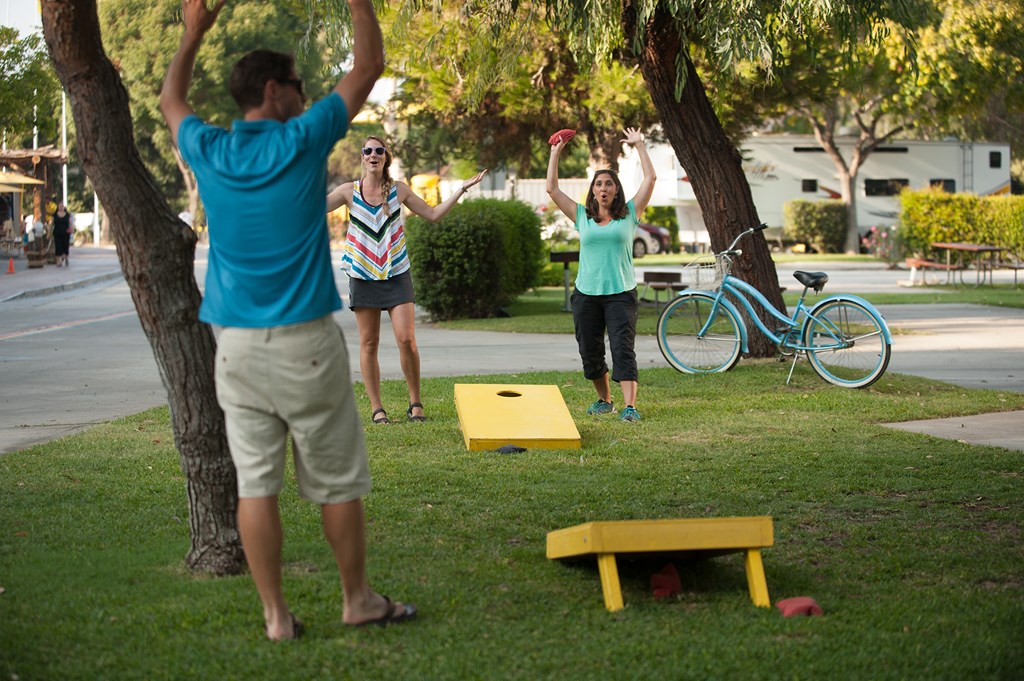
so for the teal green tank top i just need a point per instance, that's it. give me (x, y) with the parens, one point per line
(606, 253)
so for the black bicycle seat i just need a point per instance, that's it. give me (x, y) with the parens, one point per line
(815, 280)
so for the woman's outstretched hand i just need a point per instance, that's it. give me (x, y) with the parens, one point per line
(473, 180)
(633, 136)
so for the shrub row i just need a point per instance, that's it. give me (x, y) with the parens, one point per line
(931, 215)
(819, 224)
(476, 260)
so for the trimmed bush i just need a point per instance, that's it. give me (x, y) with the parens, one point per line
(478, 259)
(931, 215)
(1002, 222)
(819, 224)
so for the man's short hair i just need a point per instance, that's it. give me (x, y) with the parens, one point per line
(252, 72)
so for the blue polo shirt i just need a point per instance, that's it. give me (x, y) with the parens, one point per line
(264, 187)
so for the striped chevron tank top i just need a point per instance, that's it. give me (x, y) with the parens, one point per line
(375, 243)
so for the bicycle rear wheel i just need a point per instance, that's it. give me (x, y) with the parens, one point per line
(679, 325)
(845, 343)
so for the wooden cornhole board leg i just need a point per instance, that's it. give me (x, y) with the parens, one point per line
(756, 581)
(609, 572)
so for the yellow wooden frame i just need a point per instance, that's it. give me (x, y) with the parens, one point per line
(712, 536)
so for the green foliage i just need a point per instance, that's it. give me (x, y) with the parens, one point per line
(476, 260)
(932, 215)
(1002, 222)
(970, 72)
(30, 94)
(493, 82)
(523, 246)
(819, 224)
(141, 37)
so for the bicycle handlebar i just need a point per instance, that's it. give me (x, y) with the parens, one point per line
(732, 247)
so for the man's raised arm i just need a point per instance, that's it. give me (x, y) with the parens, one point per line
(174, 95)
(367, 58)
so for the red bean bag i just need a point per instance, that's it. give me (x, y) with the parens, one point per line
(565, 134)
(800, 605)
(666, 583)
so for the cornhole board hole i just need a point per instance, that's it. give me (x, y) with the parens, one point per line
(531, 416)
(695, 537)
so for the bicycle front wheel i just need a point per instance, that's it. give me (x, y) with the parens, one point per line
(681, 341)
(845, 343)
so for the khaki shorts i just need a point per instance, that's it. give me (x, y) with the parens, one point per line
(292, 379)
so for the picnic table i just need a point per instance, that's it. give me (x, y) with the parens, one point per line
(985, 265)
(565, 257)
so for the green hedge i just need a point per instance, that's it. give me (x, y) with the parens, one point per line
(931, 215)
(476, 260)
(819, 224)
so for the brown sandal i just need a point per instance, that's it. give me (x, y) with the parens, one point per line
(408, 412)
(383, 421)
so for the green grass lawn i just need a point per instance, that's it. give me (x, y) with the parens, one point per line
(911, 544)
(540, 310)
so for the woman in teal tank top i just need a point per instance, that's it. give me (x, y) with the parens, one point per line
(605, 300)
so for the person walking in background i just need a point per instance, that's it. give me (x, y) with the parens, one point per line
(282, 367)
(605, 299)
(378, 266)
(62, 231)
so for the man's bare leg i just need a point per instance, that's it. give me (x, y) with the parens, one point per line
(259, 522)
(345, 529)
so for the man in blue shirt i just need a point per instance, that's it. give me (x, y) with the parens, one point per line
(282, 367)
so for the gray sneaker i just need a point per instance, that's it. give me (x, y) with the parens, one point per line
(629, 414)
(600, 407)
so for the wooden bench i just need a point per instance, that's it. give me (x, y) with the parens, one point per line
(669, 282)
(924, 265)
(1015, 265)
(703, 537)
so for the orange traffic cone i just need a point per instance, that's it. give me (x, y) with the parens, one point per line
(10, 266)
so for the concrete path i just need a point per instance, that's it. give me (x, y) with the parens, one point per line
(970, 345)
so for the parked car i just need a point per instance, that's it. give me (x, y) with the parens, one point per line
(650, 239)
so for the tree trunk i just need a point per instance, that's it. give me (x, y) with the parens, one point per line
(713, 164)
(190, 184)
(156, 252)
(605, 147)
(847, 174)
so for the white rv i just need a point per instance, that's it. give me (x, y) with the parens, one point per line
(782, 168)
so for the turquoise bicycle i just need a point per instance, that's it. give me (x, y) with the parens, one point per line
(845, 339)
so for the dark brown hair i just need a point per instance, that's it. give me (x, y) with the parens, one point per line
(618, 207)
(252, 72)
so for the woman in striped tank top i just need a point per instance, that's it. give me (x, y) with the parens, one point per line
(378, 265)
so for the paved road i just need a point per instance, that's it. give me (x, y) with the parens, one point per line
(72, 355)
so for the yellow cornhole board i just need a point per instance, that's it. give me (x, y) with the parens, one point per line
(701, 536)
(531, 416)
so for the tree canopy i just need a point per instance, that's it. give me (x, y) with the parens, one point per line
(31, 92)
(141, 36)
(454, 91)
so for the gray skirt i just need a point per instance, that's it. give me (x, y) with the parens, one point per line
(382, 295)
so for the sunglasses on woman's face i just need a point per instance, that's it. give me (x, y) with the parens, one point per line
(373, 150)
